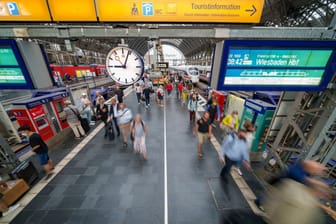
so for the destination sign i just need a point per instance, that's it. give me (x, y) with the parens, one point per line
(273, 77)
(276, 65)
(7, 56)
(278, 58)
(11, 76)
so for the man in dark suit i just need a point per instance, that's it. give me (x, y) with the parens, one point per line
(112, 115)
(102, 113)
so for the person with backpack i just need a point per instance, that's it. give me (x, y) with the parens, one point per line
(138, 133)
(71, 115)
(192, 107)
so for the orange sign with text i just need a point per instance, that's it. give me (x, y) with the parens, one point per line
(23, 10)
(73, 10)
(199, 11)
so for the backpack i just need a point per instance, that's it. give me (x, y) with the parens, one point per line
(133, 124)
(142, 124)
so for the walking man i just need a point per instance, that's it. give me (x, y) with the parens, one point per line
(124, 116)
(102, 113)
(203, 130)
(115, 106)
(39, 147)
(146, 92)
(234, 151)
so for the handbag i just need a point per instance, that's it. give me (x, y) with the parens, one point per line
(84, 123)
(111, 131)
(132, 137)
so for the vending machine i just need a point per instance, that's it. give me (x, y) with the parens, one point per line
(260, 113)
(43, 114)
(236, 101)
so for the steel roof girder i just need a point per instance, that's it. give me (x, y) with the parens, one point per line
(187, 33)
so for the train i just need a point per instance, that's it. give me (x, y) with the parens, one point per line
(71, 72)
(204, 73)
(188, 72)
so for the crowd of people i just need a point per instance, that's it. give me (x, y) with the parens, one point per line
(235, 147)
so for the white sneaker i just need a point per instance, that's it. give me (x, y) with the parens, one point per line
(11, 209)
(239, 172)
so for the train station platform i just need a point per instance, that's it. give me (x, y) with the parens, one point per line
(100, 181)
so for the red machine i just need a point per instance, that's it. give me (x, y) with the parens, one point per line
(221, 98)
(43, 113)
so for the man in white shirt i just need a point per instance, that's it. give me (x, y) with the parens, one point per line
(124, 116)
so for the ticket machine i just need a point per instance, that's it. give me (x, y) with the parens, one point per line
(43, 114)
(260, 113)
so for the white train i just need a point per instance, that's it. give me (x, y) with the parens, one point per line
(204, 73)
(188, 72)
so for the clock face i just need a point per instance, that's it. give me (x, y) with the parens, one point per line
(124, 65)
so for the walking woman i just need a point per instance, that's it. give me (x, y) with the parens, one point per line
(192, 107)
(139, 132)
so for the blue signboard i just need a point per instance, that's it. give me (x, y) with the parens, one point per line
(13, 71)
(252, 65)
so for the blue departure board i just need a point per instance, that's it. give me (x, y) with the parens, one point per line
(13, 72)
(277, 65)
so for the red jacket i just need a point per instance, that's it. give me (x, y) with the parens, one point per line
(169, 86)
(180, 86)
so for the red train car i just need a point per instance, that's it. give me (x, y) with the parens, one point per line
(77, 71)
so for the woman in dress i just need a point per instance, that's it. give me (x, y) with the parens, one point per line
(139, 132)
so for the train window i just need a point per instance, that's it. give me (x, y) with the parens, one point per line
(193, 71)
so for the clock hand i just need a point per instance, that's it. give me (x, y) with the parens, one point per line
(117, 58)
(119, 66)
(128, 53)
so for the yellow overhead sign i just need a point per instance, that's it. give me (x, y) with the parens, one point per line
(202, 11)
(72, 10)
(24, 10)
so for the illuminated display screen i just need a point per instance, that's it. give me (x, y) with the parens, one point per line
(13, 72)
(278, 58)
(277, 65)
(7, 56)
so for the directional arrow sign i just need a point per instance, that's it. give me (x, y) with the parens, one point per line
(253, 10)
(187, 11)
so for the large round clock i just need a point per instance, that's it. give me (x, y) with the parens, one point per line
(124, 65)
